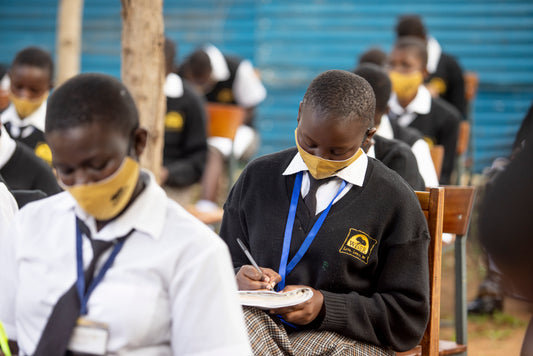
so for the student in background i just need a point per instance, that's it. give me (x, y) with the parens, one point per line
(185, 149)
(395, 154)
(227, 80)
(4, 88)
(366, 257)
(374, 55)
(445, 76)
(22, 170)
(31, 75)
(167, 287)
(412, 105)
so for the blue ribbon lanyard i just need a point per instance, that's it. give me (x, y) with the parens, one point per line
(80, 282)
(285, 269)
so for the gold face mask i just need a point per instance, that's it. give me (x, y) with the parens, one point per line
(406, 85)
(321, 168)
(25, 107)
(105, 199)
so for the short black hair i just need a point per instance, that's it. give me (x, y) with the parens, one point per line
(410, 25)
(197, 64)
(415, 45)
(379, 81)
(170, 55)
(35, 57)
(88, 98)
(343, 94)
(374, 55)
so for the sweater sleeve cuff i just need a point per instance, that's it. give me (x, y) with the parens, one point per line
(336, 313)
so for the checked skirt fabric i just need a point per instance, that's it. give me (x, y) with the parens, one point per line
(268, 337)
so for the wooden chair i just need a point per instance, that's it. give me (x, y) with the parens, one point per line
(437, 155)
(223, 121)
(463, 142)
(458, 203)
(432, 204)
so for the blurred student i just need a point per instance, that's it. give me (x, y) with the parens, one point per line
(412, 105)
(30, 75)
(395, 154)
(226, 80)
(374, 55)
(4, 88)
(445, 75)
(185, 149)
(354, 234)
(112, 266)
(22, 170)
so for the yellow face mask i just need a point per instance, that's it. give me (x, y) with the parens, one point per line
(105, 199)
(406, 85)
(321, 168)
(25, 107)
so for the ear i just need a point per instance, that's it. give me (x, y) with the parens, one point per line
(300, 108)
(140, 136)
(368, 139)
(425, 73)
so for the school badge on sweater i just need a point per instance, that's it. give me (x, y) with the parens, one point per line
(358, 244)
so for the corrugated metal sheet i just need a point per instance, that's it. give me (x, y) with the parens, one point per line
(292, 41)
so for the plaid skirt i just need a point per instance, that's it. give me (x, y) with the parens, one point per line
(268, 337)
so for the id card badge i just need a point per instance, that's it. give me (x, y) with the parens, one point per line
(89, 337)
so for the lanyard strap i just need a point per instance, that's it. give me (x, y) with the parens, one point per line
(80, 282)
(285, 269)
(4, 344)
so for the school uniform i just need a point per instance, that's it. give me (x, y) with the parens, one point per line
(368, 259)
(398, 156)
(237, 84)
(170, 290)
(437, 120)
(8, 207)
(22, 169)
(185, 149)
(414, 139)
(446, 74)
(30, 130)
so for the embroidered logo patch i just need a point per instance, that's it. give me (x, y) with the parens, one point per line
(174, 121)
(358, 244)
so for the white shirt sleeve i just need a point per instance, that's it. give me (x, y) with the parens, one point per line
(8, 274)
(425, 164)
(247, 87)
(217, 327)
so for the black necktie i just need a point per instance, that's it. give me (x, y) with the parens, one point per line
(310, 198)
(56, 335)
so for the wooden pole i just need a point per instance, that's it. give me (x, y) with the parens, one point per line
(143, 71)
(69, 22)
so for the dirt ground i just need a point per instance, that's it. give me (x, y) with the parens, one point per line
(499, 335)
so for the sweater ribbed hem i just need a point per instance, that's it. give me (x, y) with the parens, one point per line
(336, 313)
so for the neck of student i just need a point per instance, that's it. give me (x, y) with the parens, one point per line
(406, 101)
(139, 187)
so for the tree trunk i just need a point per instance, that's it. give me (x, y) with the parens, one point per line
(143, 71)
(69, 22)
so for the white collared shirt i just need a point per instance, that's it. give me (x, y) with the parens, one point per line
(420, 105)
(434, 51)
(420, 150)
(248, 90)
(28, 124)
(170, 291)
(7, 146)
(353, 174)
(173, 86)
(8, 208)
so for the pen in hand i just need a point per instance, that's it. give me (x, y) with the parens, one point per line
(250, 258)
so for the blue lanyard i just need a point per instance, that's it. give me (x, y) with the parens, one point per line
(285, 269)
(80, 283)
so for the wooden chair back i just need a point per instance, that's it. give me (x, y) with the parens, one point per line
(224, 119)
(432, 204)
(471, 80)
(457, 209)
(463, 137)
(437, 155)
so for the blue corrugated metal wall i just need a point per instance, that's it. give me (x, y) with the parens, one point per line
(293, 41)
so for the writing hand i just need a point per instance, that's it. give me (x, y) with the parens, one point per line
(248, 278)
(303, 313)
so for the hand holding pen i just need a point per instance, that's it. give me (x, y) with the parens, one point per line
(253, 277)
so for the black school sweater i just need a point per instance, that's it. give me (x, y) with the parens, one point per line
(26, 171)
(398, 156)
(369, 259)
(441, 126)
(185, 150)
